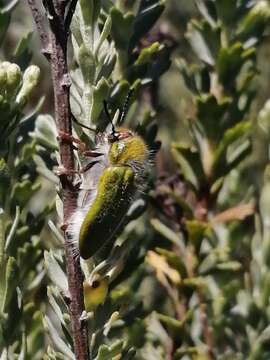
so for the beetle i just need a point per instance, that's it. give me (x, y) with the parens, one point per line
(110, 182)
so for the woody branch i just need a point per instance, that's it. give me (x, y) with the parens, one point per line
(54, 42)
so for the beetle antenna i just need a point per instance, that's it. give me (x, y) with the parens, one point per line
(105, 104)
(125, 106)
(80, 124)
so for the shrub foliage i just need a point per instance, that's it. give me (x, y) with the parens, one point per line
(189, 269)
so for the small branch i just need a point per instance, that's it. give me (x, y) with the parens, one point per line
(38, 18)
(61, 85)
(56, 23)
(207, 332)
(63, 119)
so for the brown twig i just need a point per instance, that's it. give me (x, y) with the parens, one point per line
(169, 208)
(201, 214)
(39, 20)
(57, 41)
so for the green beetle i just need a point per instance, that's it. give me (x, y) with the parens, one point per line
(108, 189)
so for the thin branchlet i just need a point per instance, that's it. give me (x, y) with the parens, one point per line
(39, 20)
(56, 39)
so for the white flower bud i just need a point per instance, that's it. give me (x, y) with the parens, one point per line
(14, 77)
(30, 80)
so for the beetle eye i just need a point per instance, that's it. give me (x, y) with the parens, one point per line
(114, 136)
(95, 284)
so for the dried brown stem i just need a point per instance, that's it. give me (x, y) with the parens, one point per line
(61, 84)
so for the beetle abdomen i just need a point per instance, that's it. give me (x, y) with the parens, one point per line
(115, 191)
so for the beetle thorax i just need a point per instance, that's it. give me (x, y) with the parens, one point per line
(128, 150)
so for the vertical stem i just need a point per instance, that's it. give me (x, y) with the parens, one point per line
(63, 119)
(202, 209)
(58, 37)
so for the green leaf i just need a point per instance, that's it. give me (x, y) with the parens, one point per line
(198, 282)
(55, 272)
(193, 351)
(45, 132)
(23, 351)
(264, 118)
(31, 116)
(122, 28)
(148, 54)
(56, 339)
(172, 323)
(173, 260)
(8, 286)
(90, 11)
(207, 10)
(229, 266)
(255, 21)
(13, 228)
(152, 62)
(146, 17)
(237, 152)
(104, 34)
(100, 93)
(227, 11)
(23, 191)
(119, 94)
(175, 238)
(188, 73)
(42, 169)
(183, 203)
(57, 234)
(233, 147)
(199, 44)
(27, 153)
(4, 181)
(108, 352)
(264, 203)
(87, 64)
(190, 164)
(2, 237)
(197, 230)
(4, 24)
(230, 61)
(9, 7)
(211, 113)
(23, 44)
(56, 301)
(28, 257)
(107, 61)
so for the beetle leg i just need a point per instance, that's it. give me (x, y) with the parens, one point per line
(87, 167)
(85, 316)
(66, 137)
(62, 171)
(91, 153)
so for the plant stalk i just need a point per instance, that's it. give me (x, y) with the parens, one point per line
(58, 38)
